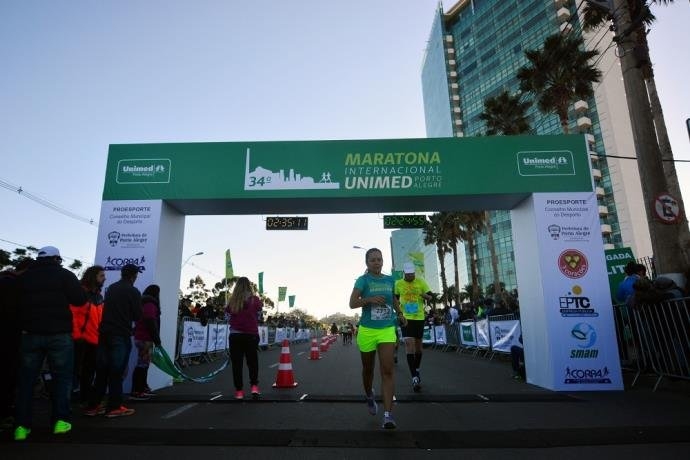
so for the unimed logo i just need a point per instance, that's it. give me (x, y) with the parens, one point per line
(546, 163)
(143, 171)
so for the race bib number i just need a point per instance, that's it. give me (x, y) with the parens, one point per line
(381, 312)
(411, 308)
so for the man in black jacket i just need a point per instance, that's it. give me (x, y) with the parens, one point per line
(121, 307)
(47, 290)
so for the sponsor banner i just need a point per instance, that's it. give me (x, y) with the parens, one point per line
(616, 259)
(194, 338)
(427, 335)
(128, 234)
(302, 334)
(483, 338)
(281, 334)
(217, 337)
(440, 332)
(467, 336)
(263, 335)
(577, 296)
(348, 168)
(505, 334)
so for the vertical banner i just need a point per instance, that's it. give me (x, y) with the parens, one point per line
(616, 259)
(282, 290)
(128, 234)
(577, 298)
(228, 265)
(291, 301)
(261, 282)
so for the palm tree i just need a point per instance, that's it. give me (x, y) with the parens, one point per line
(433, 234)
(559, 74)
(642, 19)
(505, 114)
(469, 223)
(453, 236)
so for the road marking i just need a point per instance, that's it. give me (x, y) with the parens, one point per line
(178, 411)
(273, 365)
(303, 396)
(301, 353)
(484, 397)
(216, 397)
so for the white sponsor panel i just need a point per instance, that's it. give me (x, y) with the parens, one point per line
(217, 337)
(440, 332)
(263, 336)
(194, 338)
(128, 233)
(577, 302)
(482, 332)
(505, 334)
(281, 334)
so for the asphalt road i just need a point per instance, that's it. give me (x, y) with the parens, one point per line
(468, 406)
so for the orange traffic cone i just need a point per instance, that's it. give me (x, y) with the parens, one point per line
(324, 345)
(314, 350)
(285, 377)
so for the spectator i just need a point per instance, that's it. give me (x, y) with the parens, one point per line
(85, 324)
(47, 291)
(146, 335)
(10, 298)
(517, 358)
(121, 308)
(244, 307)
(633, 272)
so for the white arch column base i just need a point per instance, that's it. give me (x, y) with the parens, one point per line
(566, 314)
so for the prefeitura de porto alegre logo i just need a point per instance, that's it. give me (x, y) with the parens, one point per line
(573, 263)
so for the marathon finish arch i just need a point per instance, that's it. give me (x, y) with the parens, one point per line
(545, 181)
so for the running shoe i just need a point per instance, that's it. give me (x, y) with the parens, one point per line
(255, 392)
(62, 427)
(21, 433)
(416, 386)
(239, 394)
(371, 404)
(139, 396)
(389, 423)
(121, 411)
(94, 411)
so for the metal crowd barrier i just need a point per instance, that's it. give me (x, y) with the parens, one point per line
(660, 333)
(480, 338)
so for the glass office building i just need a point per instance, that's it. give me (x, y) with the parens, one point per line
(474, 52)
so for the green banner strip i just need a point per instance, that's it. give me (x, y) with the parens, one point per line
(163, 362)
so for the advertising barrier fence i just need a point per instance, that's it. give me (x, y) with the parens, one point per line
(197, 341)
(655, 339)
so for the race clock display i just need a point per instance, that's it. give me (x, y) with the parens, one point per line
(287, 223)
(404, 221)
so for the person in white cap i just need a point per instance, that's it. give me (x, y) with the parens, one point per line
(47, 291)
(412, 292)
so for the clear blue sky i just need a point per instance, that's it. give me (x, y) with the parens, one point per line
(79, 75)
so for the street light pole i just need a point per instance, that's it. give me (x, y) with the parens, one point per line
(187, 259)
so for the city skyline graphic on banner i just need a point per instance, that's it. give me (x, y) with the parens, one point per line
(265, 179)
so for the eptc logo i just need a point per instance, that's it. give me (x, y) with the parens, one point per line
(572, 263)
(585, 336)
(575, 304)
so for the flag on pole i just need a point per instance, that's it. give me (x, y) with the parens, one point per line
(291, 300)
(282, 290)
(228, 265)
(261, 282)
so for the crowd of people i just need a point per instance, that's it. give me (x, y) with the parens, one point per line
(64, 326)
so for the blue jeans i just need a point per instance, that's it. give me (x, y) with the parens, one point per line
(111, 363)
(59, 350)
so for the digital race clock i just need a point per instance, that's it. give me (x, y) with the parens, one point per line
(287, 223)
(404, 221)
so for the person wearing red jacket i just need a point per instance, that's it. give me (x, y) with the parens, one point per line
(85, 323)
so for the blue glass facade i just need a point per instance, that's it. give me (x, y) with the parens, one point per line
(489, 39)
